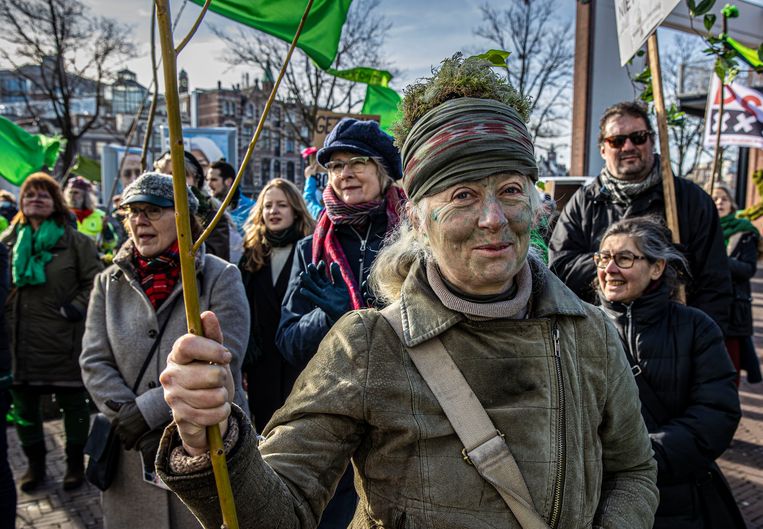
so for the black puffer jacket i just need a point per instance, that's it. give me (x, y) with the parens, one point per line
(684, 360)
(591, 211)
(743, 262)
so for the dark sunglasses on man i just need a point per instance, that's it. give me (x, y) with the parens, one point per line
(637, 138)
(624, 259)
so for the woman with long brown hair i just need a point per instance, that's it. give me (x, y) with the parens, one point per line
(277, 221)
(52, 271)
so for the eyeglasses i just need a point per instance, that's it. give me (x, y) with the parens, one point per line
(637, 138)
(151, 212)
(357, 165)
(624, 259)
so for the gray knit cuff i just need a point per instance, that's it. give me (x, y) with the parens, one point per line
(181, 463)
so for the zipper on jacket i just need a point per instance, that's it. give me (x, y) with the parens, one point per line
(556, 506)
(363, 244)
(629, 333)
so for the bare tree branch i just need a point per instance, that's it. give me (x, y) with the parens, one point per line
(540, 65)
(69, 56)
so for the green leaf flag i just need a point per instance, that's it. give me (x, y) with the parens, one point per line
(21, 153)
(497, 58)
(280, 18)
(380, 100)
(88, 168)
(749, 55)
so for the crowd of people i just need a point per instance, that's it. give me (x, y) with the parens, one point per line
(389, 347)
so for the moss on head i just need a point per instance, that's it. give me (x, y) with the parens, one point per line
(456, 77)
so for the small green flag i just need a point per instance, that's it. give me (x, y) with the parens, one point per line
(380, 98)
(87, 168)
(383, 101)
(749, 55)
(22, 153)
(280, 18)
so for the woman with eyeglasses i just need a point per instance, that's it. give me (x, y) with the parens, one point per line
(741, 238)
(52, 271)
(330, 271)
(685, 378)
(136, 313)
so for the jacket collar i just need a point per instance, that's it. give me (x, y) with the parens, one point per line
(425, 317)
(647, 309)
(123, 259)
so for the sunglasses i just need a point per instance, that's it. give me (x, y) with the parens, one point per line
(624, 259)
(357, 165)
(637, 138)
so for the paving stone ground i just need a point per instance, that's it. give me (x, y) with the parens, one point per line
(52, 508)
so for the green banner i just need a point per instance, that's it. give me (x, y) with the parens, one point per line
(363, 75)
(280, 18)
(22, 153)
(87, 168)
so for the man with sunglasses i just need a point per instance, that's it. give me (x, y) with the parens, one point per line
(630, 185)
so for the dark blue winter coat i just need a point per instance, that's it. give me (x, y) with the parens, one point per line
(303, 325)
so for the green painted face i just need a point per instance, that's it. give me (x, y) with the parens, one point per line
(479, 232)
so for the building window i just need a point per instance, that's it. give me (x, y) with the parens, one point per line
(289, 145)
(277, 169)
(265, 171)
(290, 171)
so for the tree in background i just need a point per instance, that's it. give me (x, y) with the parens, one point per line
(541, 60)
(685, 70)
(64, 54)
(307, 87)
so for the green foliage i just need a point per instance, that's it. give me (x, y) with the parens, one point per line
(709, 21)
(456, 77)
(697, 10)
(497, 58)
(730, 11)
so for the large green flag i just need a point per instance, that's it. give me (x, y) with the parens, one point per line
(380, 98)
(21, 153)
(280, 18)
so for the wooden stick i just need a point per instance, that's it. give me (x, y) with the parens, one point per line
(668, 185)
(253, 142)
(154, 96)
(193, 29)
(185, 244)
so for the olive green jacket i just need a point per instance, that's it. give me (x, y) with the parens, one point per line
(568, 406)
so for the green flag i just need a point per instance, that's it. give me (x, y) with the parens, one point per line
(87, 168)
(280, 18)
(383, 101)
(380, 98)
(749, 55)
(21, 153)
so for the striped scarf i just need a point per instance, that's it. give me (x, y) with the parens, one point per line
(158, 275)
(326, 245)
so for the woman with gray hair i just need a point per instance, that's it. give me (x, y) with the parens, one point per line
(560, 414)
(684, 375)
(136, 314)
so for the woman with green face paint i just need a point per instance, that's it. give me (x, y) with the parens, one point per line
(458, 273)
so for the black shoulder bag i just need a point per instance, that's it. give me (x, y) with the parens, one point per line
(103, 444)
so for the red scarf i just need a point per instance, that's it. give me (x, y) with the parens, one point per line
(82, 214)
(158, 275)
(326, 246)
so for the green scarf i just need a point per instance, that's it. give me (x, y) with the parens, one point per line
(731, 224)
(31, 252)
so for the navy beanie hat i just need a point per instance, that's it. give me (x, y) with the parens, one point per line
(366, 139)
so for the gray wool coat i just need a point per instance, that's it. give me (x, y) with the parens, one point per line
(121, 328)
